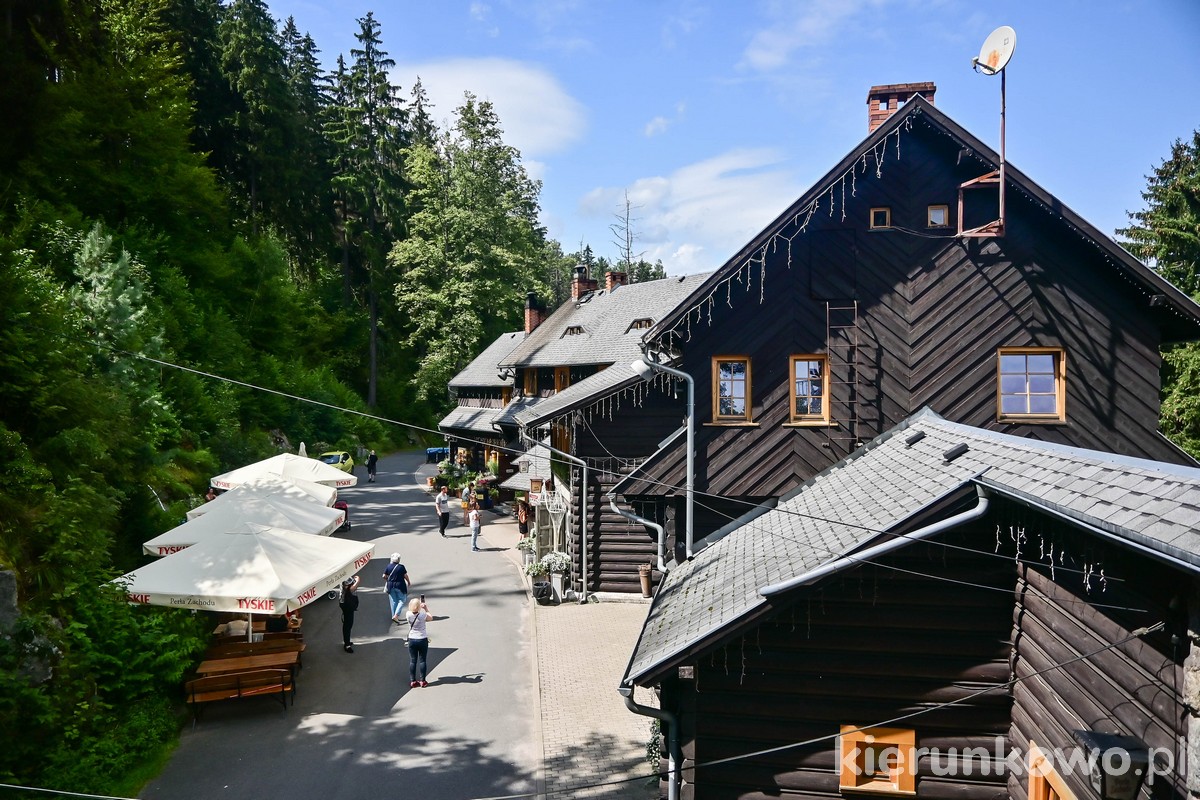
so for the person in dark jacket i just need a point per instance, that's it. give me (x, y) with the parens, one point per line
(372, 461)
(349, 604)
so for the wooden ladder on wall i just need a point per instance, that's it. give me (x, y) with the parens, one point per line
(842, 343)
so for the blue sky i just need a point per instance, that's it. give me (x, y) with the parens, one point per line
(714, 116)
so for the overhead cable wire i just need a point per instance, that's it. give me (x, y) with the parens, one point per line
(648, 479)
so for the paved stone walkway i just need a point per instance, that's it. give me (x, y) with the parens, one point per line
(588, 735)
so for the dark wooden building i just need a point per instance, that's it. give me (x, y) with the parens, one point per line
(939, 612)
(870, 298)
(482, 391)
(554, 382)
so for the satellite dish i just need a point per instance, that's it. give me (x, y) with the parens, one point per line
(996, 51)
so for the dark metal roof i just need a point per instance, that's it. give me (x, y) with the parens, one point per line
(483, 371)
(1182, 325)
(603, 321)
(471, 419)
(1148, 505)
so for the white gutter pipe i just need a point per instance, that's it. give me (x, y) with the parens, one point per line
(662, 533)
(879, 550)
(645, 369)
(673, 756)
(583, 595)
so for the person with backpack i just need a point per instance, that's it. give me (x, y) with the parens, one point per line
(396, 584)
(349, 604)
(372, 463)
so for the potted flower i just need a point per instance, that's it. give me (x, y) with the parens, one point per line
(556, 563)
(527, 545)
(535, 570)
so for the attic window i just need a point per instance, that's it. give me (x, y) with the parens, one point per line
(881, 218)
(1031, 384)
(640, 324)
(938, 217)
(573, 330)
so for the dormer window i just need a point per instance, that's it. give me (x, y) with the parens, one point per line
(573, 330)
(641, 324)
(881, 218)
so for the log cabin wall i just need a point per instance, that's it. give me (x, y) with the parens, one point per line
(616, 547)
(932, 312)
(605, 435)
(865, 646)
(1133, 689)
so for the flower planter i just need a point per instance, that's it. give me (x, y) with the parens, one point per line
(556, 585)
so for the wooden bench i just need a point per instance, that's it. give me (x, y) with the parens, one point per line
(234, 685)
(227, 649)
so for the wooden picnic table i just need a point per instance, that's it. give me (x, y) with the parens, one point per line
(223, 665)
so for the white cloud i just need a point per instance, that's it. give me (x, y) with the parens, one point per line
(799, 24)
(539, 117)
(660, 123)
(699, 215)
(656, 126)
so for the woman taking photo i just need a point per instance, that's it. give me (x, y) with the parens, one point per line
(418, 642)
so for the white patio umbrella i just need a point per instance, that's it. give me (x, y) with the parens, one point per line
(242, 511)
(286, 465)
(299, 490)
(261, 571)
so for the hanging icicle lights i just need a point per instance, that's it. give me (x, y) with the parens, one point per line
(800, 222)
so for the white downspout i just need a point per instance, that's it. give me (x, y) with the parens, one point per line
(662, 533)
(871, 553)
(691, 445)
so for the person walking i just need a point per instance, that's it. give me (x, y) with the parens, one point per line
(396, 583)
(442, 504)
(418, 642)
(476, 522)
(372, 462)
(349, 604)
(468, 495)
(523, 518)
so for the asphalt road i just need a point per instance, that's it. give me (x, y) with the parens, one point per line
(357, 730)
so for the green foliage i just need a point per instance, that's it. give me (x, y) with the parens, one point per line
(1167, 232)
(474, 246)
(184, 186)
(1180, 413)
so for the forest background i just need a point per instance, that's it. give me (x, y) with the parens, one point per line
(182, 184)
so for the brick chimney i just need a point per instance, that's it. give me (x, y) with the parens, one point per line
(613, 279)
(581, 284)
(883, 101)
(535, 314)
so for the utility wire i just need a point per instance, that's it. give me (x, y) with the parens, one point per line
(648, 479)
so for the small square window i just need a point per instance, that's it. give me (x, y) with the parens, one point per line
(881, 218)
(1031, 384)
(878, 760)
(939, 217)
